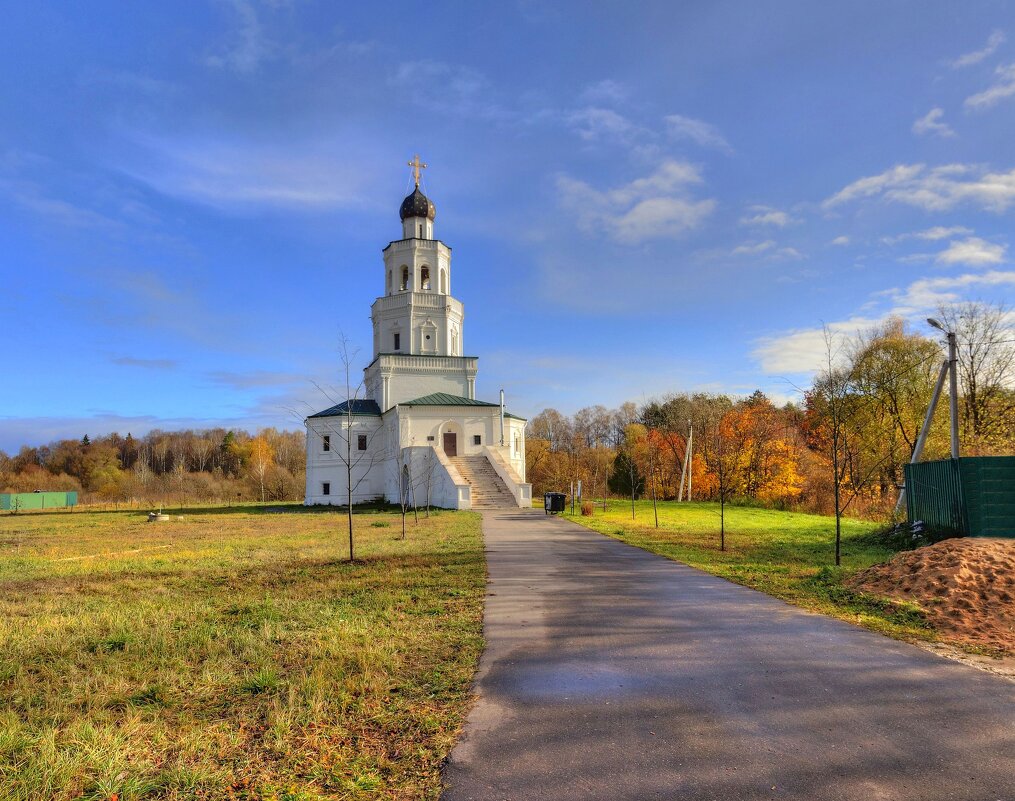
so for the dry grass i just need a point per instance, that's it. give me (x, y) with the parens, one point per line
(245, 660)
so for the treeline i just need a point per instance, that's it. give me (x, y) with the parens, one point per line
(210, 465)
(849, 437)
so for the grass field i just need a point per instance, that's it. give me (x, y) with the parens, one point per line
(233, 653)
(786, 554)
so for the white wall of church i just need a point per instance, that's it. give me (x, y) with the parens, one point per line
(326, 468)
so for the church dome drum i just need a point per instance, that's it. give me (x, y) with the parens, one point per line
(417, 205)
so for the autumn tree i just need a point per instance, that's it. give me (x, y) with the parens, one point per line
(723, 447)
(262, 457)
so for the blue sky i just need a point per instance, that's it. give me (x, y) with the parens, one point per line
(641, 197)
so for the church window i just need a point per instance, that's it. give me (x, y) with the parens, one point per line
(518, 444)
(398, 341)
(405, 279)
(444, 282)
(326, 445)
(421, 230)
(326, 488)
(477, 439)
(431, 438)
(361, 442)
(389, 282)
(424, 278)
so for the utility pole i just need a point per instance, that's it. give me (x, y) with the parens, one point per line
(949, 367)
(953, 389)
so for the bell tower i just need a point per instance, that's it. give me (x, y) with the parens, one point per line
(417, 323)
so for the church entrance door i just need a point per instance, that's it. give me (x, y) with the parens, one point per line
(450, 444)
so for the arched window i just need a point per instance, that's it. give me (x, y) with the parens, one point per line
(444, 281)
(421, 230)
(405, 279)
(424, 278)
(389, 282)
(454, 343)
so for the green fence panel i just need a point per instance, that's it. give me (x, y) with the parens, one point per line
(15, 501)
(934, 495)
(989, 486)
(974, 495)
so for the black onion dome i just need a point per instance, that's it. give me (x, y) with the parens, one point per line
(417, 205)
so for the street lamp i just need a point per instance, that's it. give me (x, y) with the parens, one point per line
(953, 382)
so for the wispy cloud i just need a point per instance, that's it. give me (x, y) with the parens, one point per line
(841, 241)
(248, 46)
(255, 378)
(753, 248)
(994, 41)
(595, 124)
(147, 364)
(973, 252)
(605, 91)
(930, 123)
(936, 189)
(654, 207)
(766, 215)
(929, 235)
(1002, 88)
(236, 175)
(452, 89)
(698, 131)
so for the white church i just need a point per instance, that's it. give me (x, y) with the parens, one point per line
(416, 430)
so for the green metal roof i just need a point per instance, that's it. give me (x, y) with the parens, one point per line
(360, 407)
(444, 399)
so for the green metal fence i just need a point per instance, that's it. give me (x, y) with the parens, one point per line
(16, 501)
(974, 495)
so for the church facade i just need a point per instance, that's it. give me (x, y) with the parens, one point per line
(416, 430)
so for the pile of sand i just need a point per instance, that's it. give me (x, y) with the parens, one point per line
(966, 587)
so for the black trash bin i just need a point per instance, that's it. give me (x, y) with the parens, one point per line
(554, 502)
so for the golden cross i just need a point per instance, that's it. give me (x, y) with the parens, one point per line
(416, 165)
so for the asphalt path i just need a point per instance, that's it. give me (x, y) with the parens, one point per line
(612, 673)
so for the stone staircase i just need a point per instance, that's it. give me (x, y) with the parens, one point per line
(488, 489)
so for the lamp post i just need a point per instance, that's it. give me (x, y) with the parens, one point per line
(949, 367)
(953, 383)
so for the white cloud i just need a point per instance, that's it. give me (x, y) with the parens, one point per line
(656, 206)
(1003, 87)
(594, 124)
(874, 184)
(766, 215)
(930, 123)
(803, 351)
(841, 240)
(753, 248)
(994, 41)
(936, 189)
(698, 131)
(929, 235)
(927, 294)
(973, 252)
